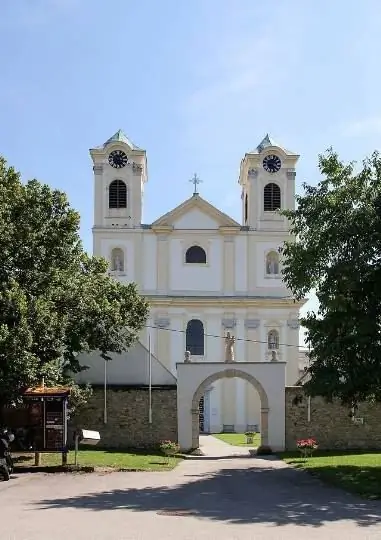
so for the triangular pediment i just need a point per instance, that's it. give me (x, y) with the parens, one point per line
(195, 213)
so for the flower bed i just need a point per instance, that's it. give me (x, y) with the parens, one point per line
(307, 446)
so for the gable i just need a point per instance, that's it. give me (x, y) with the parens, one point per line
(195, 213)
(195, 219)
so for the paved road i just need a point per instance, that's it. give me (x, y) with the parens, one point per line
(224, 498)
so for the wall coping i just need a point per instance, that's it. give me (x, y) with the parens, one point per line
(134, 387)
(231, 365)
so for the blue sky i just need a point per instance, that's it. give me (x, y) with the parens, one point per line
(197, 84)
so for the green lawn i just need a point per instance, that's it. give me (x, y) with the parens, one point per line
(358, 473)
(106, 459)
(238, 439)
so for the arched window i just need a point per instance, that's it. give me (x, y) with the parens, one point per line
(117, 194)
(117, 260)
(273, 340)
(195, 337)
(271, 197)
(272, 263)
(195, 255)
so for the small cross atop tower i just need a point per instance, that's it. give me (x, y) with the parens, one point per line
(195, 181)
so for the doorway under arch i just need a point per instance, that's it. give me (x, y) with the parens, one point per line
(268, 378)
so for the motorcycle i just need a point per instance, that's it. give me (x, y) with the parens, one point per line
(6, 462)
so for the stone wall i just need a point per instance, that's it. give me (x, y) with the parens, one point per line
(127, 417)
(330, 423)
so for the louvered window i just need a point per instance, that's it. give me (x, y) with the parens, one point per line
(117, 195)
(271, 198)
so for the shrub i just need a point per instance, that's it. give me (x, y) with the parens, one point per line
(169, 447)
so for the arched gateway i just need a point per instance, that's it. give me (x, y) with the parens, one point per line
(268, 378)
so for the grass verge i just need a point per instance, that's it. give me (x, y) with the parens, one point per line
(238, 439)
(99, 459)
(356, 472)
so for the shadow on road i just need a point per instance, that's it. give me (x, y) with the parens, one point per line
(237, 495)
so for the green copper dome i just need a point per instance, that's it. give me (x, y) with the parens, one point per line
(120, 136)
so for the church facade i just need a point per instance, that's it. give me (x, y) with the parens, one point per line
(204, 273)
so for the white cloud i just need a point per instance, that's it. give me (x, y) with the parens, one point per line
(364, 127)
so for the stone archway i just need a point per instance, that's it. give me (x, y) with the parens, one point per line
(230, 373)
(268, 378)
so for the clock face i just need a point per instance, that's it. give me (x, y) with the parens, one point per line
(117, 159)
(272, 163)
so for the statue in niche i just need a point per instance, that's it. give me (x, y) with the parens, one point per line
(229, 348)
(118, 263)
(272, 341)
(187, 357)
(272, 266)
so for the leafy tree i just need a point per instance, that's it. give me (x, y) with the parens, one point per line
(55, 301)
(337, 253)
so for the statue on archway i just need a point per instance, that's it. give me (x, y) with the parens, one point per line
(229, 348)
(187, 357)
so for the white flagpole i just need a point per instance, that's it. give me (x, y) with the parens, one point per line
(149, 380)
(105, 395)
(309, 397)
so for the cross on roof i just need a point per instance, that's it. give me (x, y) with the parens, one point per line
(195, 181)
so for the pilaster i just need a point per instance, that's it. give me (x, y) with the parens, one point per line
(252, 336)
(162, 263)
(228, 264)
(240, 384)
(228, 324)
(176, 348)
(98, 194)
(162, 323)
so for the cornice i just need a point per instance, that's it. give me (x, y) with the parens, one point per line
(162, 229)
(229, 231)
(224, 302)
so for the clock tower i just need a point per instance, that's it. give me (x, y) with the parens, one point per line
(120, 172)
(267, 177)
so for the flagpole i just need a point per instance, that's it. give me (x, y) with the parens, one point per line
(309, 397)
(149, 380)
(105, 395)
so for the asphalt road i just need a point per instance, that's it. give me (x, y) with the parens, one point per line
(235, 497)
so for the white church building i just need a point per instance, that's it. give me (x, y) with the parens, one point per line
(204, 273)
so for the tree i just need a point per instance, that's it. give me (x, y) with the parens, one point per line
(55, 301)
(337, 253)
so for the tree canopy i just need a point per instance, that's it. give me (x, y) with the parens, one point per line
(55, 300)
(337, 253)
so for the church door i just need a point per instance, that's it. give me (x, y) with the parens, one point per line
(201, 415)
(207, 412)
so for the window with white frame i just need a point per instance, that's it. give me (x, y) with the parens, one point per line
(195, 337)
(195, 255)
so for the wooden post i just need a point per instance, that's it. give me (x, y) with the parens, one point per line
(64, 459)
(37, 459)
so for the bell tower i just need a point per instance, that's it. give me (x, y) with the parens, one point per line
(120, 172)
(267, 176)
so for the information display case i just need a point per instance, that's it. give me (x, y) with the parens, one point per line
(40, 424)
